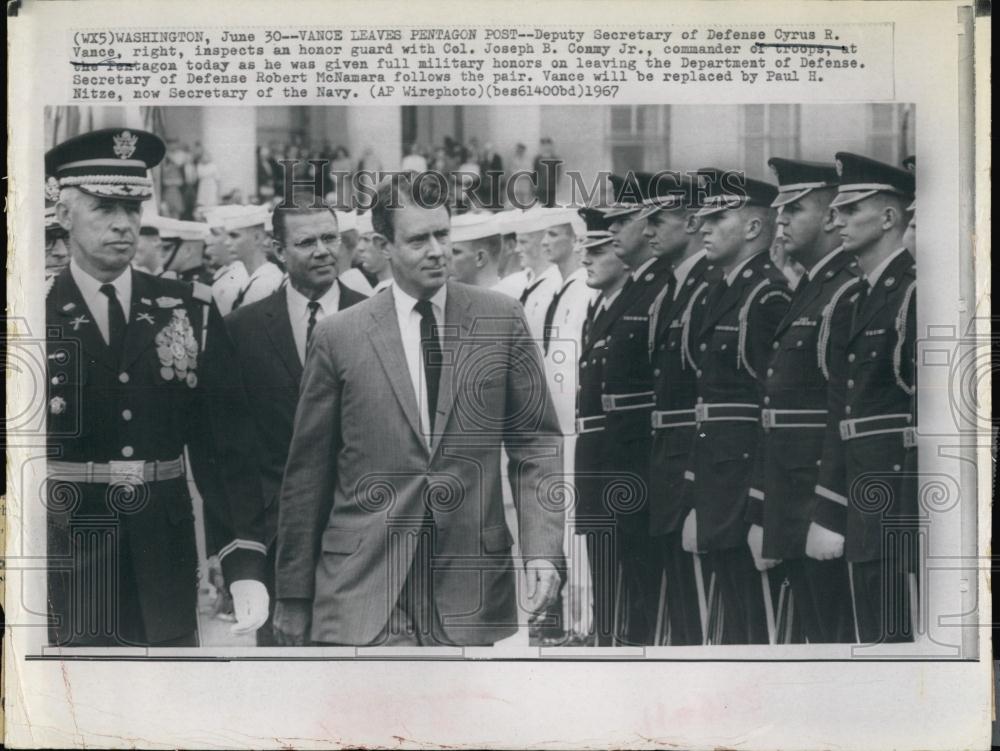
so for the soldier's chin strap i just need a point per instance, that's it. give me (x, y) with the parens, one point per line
(173, 256)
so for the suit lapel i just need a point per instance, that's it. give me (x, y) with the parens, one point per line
(388, 343)
(78, 320)
(279, 330)
(457, 327)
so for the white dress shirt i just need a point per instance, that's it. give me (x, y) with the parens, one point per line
(263, 282)
(97, 301)
(226, 285)
(877, 272)
(409, 332)
(298, 313)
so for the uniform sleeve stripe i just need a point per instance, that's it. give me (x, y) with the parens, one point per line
(830, 495)
(258, 547)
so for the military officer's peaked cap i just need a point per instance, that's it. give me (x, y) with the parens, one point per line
(629, 193)
(597, 232)
(671, 190)
(730, 189)
(796, 178)
(108, 163)
(861, 178)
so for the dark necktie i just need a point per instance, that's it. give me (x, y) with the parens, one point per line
(116, 321)
(313, 306)
(550, 315)
(430, 347)
(528, 290)
(242, 295)
(588, 322)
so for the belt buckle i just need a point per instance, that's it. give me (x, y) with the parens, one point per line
(767, 418)
(909, 438)
(125, 473)
(846, 430)
(700, 412)
(607, 402)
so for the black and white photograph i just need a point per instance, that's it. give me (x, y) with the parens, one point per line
(653, 385)
(507, 375)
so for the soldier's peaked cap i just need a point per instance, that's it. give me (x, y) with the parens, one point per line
(629, 193)
(108, 163)
(597, 232)
(796, 178)
(730, 189)
(671, 190)
(861, 178)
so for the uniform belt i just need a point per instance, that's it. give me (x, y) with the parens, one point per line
(132, 473)
(672, 418)
(793, 418)
(622, 402)
(736, 411)
(876, 425)
(593, 424)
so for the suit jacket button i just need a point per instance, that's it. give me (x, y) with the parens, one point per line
(847, 410)
(850, 383)
(127, 451)
(703, 347)
(126, 414)
(656, 371)
(852, 357)
(767, 400)
(123, 377)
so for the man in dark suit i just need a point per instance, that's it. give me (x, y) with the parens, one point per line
(862, 511)
(734, 341)
(797, 382)
(391, 526)
(139, 370)
(271, 336)
(673, 232)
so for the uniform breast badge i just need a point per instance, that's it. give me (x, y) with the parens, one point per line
(57, 405)
(177, 350)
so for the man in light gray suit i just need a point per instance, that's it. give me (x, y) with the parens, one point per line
(391, 528)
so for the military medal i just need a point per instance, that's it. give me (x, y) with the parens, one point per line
(177, 349)
(167, 373)
(192, 380)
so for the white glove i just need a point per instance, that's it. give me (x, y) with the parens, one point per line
(689, 533)
(250, 603)
(755, 540)
(823, 544)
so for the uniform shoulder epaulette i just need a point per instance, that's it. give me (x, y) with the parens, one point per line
(849, 288)
(201, 292)
(767, 289)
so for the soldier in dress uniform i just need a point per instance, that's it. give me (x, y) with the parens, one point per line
(596, 486)
(673, 231)
(862, 512)
(139, 370)
(628, 398)
(795, 412)
(186, 257)
(734, 340)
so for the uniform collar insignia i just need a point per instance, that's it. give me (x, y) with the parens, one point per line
(890, 281)
(77, 322)
(68, 306)
(145, 301)
(145, 317)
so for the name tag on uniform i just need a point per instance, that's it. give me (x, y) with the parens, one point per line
(804, 321)
(635, 318)
(874, 332)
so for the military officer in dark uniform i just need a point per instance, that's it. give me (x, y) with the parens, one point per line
(673, 231)
(795, 403)
(627, 399)
(140, 368)
(741, 315)
(594, 517)
(861, 511)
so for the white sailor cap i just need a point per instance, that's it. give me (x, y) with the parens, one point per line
(234, 217)
(474, 226)
(346, 221)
